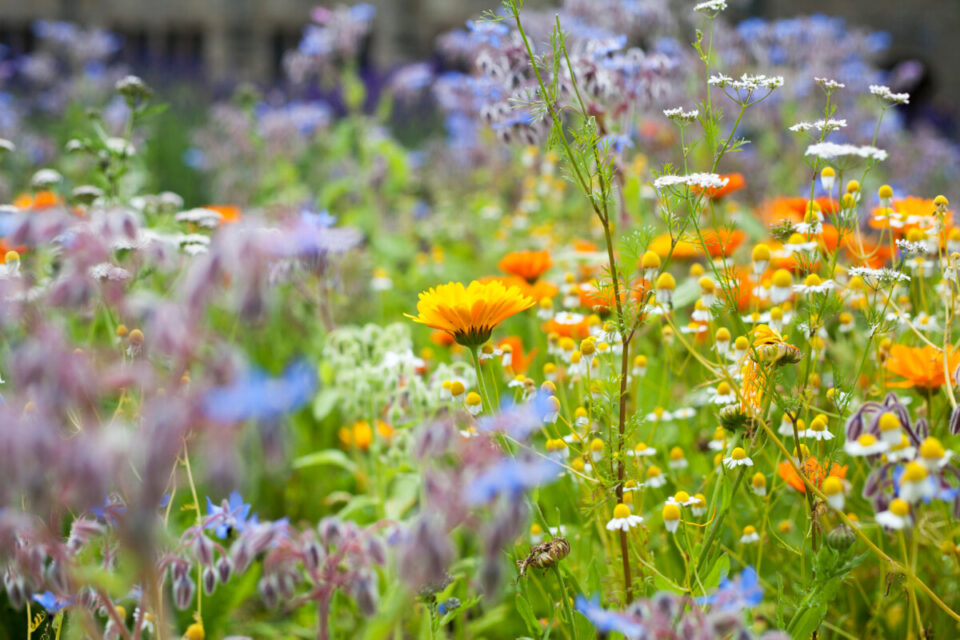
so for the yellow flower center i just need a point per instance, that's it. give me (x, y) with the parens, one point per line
(653, 472)
(681, 496)
(596, 445)
(932, 449)
(759, 480)
(749, 530)
(867, 440)
(671, 512)
(621, 511)
(738, 454)
(889, 421)
(832, 485)
(899, 508)
(914, 472)
(676, 453)
(473, 399)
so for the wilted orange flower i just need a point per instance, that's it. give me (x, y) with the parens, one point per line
(529, 265)
(921, 366)
(228, 212)
(813, 470)
(470, 313)
(39, 200)
(735, 182)
(721, 242)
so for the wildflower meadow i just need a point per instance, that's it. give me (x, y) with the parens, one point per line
(614, 319)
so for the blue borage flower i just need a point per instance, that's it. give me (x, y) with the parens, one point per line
(232, 514)
(253, 395)
(511, 477)
(51, 602)
(606, 621)
(743, 592)
(517, 420)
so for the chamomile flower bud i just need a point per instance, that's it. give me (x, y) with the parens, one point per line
(723, 394)
(506, 356)
(677, 459)
(866, 445)
(549, 388)
(550, 372)
(671, 517)
(699, 506)
(833, 489)
(889, 425)
(847, 201)
(846, 322)
(740, 347)
(552, 411)
(933, 455)
(761, 259)
(897, 515)
(580, 417)
(122, 331)
(650, 262)
(639, 365)
(667, 334)
(915, 484)
(853, 187)
(596, 449)
(785, 526)
(721, 340)
(473, 403)
(750, 535)
(556, 447)
(642, 450)
(782, 286)
(545, 309)
(737, 458)
(828, 178)
(622, 519)
(665, 286)
(758, 483)
(885, 194)
(194, 632)
(588, 349)
(707, 290)
(457, 389)
(654, 477)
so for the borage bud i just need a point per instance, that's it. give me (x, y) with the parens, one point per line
(183, 593)
(203, 548)
(209, 580)
(224, 569)
(267, 587)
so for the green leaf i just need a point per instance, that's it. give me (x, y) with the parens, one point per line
(327, 457)
(324, 403)
(720, 568)
(526, 613)
(806, 623)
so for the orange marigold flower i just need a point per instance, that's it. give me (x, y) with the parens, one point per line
(529, 265)
(920, 366)
(911, 212)
(577, 330)
(470, 313)
(813, 470)
(538, 290)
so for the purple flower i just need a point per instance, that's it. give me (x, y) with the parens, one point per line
(743, 592)
(257, 396)
(232, 514)
(518, 420)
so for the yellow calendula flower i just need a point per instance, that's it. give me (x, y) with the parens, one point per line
(469, 314)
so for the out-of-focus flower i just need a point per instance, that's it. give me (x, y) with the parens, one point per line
(920, 366)
(254, 395)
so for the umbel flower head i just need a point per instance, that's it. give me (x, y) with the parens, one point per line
(469, 314)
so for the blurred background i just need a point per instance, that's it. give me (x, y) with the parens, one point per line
(293, 53)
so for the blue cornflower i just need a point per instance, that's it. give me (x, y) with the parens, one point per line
(233, 515)
(742, 592)
(254, 395)
(618, 143)
(51, 602)
(606, 621)
(511, 477)
(321, 219)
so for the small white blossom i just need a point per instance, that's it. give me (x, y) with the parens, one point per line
(680, 115)
(711, 6)
(828, 83)
(832, 150)
(702, 180)
(885, 93)
(820, 125)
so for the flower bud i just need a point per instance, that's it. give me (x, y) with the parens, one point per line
(224, 569)
(209, 579)
(841, 538)
(183, 593)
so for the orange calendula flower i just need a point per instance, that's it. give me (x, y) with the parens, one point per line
(39, 200)
(228, 212)
(908, 213)
(920, 366)
(360, 434)
(721, 242)
(470, 313)
(813, 470)
(529, 265)
(537, 290)
(735, 182)
(519, 362)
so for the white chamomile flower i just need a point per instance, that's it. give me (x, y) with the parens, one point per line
(866, 445)
(737, 458)
(897, 515)
(622, 519)
(750, 535)
(682, 499)
(642, 451)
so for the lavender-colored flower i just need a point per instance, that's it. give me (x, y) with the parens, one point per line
(607, 621)
(511, 477)
(231, 515)
(256, 396)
